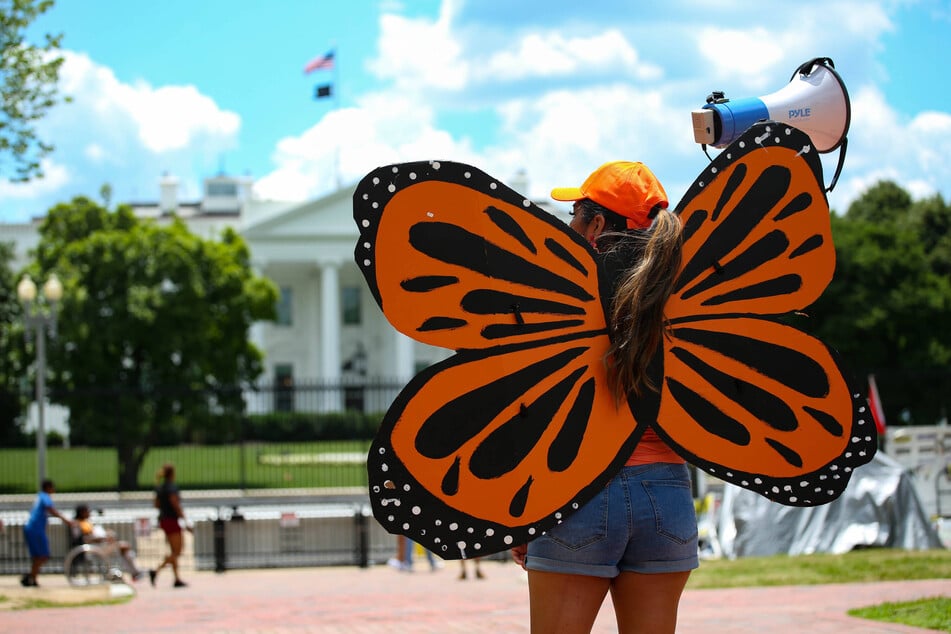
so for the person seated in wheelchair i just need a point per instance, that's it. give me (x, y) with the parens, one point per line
(85, 532)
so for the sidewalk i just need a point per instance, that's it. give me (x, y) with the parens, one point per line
(381, 600)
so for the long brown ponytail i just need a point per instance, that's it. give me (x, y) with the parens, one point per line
(637, 311)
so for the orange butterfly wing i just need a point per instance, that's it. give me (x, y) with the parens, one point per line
(746, 397)
(498, 443)
(482, 452)
(466, 262)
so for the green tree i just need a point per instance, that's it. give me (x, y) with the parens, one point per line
(28, 88)
(885, 203)
(932, 216)
(11, 361)
(153, 336)
(888, 308)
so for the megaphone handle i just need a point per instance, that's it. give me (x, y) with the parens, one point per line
(805, 67)
(838, 167)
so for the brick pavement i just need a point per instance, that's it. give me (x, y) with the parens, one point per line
(381, 600)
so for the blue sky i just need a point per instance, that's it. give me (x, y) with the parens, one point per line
(551, 88)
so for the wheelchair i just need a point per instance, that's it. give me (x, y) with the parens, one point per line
(91, 564)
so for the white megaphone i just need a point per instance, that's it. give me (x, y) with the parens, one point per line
(815, 101)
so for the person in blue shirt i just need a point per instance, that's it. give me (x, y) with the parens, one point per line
(34, 531)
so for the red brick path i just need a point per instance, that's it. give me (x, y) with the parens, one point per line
(381, 600)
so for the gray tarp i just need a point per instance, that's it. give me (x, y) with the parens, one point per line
(879, 507)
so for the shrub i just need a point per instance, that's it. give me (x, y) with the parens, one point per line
(306, 426)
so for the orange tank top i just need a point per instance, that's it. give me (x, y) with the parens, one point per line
(652, 449)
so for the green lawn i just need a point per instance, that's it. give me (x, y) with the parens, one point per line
(868, 565)
(933, 613)
(251, 466)
(873, 564)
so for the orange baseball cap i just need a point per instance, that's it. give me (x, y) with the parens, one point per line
(626, 188)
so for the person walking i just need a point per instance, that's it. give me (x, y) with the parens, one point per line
(637, 538)
(34, 531)
(434, 564)
(476, 569)
(402, 548)
(404, 556)
(171, 518)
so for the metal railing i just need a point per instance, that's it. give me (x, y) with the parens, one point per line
(225, 538)
(309, 435)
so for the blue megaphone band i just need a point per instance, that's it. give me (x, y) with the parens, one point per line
(736, 116)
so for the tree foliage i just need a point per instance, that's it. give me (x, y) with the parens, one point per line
(888, 308)
(28, 88)
(12, 360)
(154, 325)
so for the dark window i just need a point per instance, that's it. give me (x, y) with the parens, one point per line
(351, 305)
(285, 307)
(283, 388)
(222, 189)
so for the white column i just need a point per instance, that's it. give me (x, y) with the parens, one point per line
(404, 361)
(330, 331)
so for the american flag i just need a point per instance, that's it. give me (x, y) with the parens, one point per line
(324, 62)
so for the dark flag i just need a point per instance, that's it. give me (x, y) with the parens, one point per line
(322, 91)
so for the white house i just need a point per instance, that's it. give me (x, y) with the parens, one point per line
(329, 328)
(328, 323)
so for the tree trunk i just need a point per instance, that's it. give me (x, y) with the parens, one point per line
(130, 461)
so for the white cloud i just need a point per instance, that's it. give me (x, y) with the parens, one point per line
(55, 175)
(163, 119)
(884, 146)
(386, 128)
(848, 19)
(95, 152)
(758, 48)
(561, 137)
(551, 53)
(125, 134)
(759, 56)
(173, 117)
(421, 53)
(931, 134)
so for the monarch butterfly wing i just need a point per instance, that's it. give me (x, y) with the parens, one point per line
(746, 397)
(487, 450)
(457, 259)
(757, 236)
(763, 405)
(498, 443)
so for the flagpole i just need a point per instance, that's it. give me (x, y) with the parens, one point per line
(876, 409)
(336, 94)
(329, 61)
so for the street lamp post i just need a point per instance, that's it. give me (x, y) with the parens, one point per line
(39, 315)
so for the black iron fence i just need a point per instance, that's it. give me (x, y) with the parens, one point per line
(279, 481)
(290, 534)
(307, 435)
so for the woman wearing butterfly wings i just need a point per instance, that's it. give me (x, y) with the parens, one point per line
(524, 432)
(637, 538)
(698, 352)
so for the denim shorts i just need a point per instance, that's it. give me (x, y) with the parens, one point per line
(642, 521)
